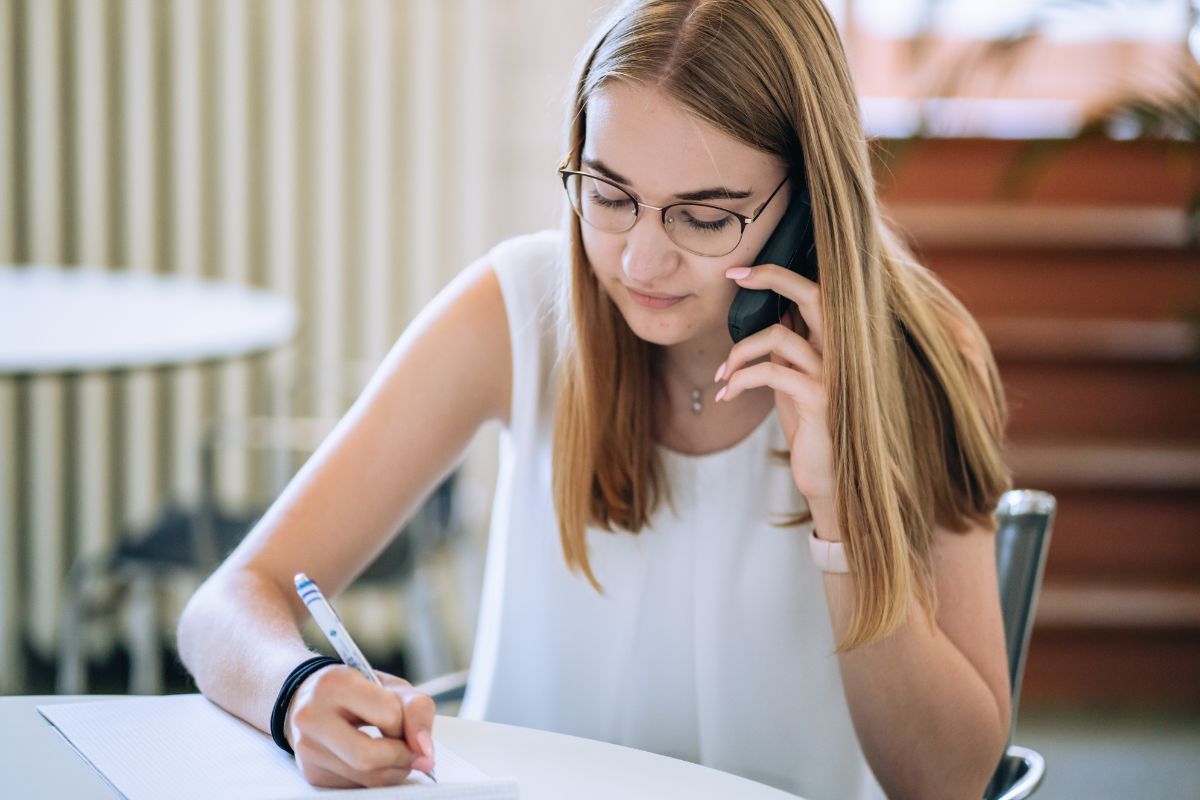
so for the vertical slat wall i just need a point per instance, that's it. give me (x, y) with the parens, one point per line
(327, 149)
(40, 409)
(185, 156)
(326, 119)
(234, 177)
(11, 666)
(90, 101)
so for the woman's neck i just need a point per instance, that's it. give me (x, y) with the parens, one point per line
(690, 366)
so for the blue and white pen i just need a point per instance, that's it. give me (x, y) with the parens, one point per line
(331, 625)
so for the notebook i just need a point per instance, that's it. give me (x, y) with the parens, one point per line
(187, 748)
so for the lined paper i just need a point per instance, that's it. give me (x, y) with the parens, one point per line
(185, 747)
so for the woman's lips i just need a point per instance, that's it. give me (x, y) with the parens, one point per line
(653, 302)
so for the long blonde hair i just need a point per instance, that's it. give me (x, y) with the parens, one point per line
(916, 410)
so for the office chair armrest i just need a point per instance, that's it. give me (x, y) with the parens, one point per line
(1028, 767)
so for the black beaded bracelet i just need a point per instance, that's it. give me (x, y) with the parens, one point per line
(294, 679)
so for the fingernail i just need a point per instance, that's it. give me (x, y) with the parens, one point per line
(425, 743)
(720, 372)
(737, 273)
(721, 394)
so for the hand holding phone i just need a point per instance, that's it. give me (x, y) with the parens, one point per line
(791, 245)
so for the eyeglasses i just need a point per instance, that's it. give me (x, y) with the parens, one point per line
(699, 228)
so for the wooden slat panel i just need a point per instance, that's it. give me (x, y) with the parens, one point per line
(1129, 401)
(1138, 173)
(1121, 534)
(1012, 226)
(1085, 342)
(1107, 464)
(1093, 603)
(1067, 284)
(1113, 668)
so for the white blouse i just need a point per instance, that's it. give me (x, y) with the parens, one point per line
(711, 642)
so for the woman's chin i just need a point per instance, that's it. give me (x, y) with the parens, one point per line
(662, 332)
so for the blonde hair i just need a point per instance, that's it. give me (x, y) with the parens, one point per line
(916, 410)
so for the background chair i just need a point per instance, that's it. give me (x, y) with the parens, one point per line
(1024, 519)
(126, 582)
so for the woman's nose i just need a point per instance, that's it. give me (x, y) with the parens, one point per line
(648, 252)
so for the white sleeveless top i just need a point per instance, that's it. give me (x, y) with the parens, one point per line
(712, 641)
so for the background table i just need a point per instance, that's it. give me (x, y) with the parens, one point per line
(60, 321)
(55, 320)
(36, 761)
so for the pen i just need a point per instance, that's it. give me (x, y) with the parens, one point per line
(331, 625)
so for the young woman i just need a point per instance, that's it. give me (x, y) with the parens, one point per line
(773, 557)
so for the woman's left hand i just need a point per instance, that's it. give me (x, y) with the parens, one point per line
(795, 371)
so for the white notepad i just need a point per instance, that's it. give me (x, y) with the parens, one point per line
(185, 747)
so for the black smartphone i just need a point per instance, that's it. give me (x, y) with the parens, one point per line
(790, 245)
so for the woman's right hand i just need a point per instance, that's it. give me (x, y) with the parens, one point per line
(323, 724)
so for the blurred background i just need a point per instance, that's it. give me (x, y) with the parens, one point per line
(351, 157)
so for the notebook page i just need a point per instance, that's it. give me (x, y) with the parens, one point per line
(185, 747)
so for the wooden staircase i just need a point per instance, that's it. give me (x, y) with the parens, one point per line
(1087, 283)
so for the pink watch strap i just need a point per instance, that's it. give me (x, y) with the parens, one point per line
(828, 556)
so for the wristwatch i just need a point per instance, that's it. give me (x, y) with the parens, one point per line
(828, 556)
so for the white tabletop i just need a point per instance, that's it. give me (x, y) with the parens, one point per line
(36, 762)
(57, 319)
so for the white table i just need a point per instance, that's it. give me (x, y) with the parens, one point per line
(35, 761)
(59, 321)
(55, 320)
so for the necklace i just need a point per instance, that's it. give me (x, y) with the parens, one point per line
(697, 406)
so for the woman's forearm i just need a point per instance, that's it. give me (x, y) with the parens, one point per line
(238, 639)
(927, 721)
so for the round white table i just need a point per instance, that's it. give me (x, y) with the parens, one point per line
(55, 320)
(36, 761)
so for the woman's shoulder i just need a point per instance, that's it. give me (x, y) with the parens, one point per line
(537, 249)
(527, 268)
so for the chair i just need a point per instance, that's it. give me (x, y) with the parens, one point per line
(190, 543)
(1023, 522)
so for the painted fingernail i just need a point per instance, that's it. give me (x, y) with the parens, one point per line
(720, 372)
(426, 744)
(737, 273)
(720, 394)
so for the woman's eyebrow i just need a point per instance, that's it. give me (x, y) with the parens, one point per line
(703, 194)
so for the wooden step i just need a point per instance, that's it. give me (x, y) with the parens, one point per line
(1109, 465)
(1126, 283)
(1151, 668)
(1119, 640)
(1078, 341)
(1063, 172)
(1118, 604)
(1005, 226)
(1098, 401)
(1106, 535)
